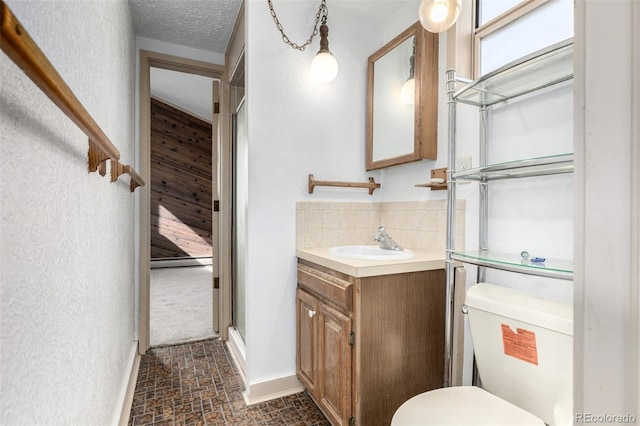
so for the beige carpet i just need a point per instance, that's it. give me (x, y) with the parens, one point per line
(181, 305)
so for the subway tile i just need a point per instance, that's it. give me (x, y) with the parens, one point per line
(312, 219)
(374, 219)
(327, 224)
(441, 242)
(413, 220)
(430, 242)
(362, 206)
(429, 221)
(329, 219)
(441, 221)
(300, 219)
(438, 205)
(361, 236)
(334, 237)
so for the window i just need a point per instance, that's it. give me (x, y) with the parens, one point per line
(506, 30)
(487, 10)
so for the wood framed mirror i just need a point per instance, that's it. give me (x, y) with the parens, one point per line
(398, 131)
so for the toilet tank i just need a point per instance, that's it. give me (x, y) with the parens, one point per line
(523, 346)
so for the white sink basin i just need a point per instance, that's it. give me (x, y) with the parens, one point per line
(370, 253)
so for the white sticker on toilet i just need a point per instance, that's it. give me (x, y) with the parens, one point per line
(520, 344)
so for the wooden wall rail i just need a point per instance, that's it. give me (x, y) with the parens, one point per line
(371, 185)
(21, 48)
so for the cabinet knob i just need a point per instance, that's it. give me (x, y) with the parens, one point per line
(312, 313)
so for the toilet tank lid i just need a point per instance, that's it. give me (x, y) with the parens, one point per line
(531, 309)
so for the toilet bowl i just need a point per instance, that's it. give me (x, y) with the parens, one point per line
(524, 351)
(461, 405)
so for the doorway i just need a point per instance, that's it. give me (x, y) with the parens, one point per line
(181, 278)
(149, 60)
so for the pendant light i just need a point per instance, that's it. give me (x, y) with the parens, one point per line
(437, 16)
(324, 66)
(408, 91)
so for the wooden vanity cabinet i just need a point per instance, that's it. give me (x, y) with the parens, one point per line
(366, 345)
(324, 353)
(307, 339)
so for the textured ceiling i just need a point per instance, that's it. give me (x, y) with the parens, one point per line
(201, 24)
(207, 24)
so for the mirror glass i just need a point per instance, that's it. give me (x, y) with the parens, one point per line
(401, 115)
(393, 114)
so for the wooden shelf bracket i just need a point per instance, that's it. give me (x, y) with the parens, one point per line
(117, 169)
(97, 158)
(371, 185)
(438, 180)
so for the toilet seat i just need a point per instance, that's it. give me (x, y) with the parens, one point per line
(461, 405)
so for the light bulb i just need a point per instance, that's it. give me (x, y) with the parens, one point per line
(437, 16)
(439, 13)
(324, 67)
(408, 91)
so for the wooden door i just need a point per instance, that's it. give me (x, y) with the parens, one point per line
(334, 365)
(307, 340)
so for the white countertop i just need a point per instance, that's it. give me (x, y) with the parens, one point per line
(370, 268)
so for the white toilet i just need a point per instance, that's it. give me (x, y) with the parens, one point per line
(524, 351)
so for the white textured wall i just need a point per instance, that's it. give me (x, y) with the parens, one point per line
(295, 128)
(67, 237)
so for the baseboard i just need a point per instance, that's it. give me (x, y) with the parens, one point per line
(263, 391)
(127, 394)
(235, 343)
(272, 389)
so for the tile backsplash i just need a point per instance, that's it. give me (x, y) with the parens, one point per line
(415, 225)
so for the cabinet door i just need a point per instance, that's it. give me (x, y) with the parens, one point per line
(307, 340)
(335, 365)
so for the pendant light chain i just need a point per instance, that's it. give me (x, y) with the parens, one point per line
(322, 13)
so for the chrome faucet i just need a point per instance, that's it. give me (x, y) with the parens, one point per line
(386, 242)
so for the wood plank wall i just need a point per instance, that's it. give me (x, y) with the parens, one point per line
(180, 183)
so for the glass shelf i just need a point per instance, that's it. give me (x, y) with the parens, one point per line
(551, 268)
(538, 70)
(555, 164)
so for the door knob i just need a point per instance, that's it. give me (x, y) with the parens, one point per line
(312, 313)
